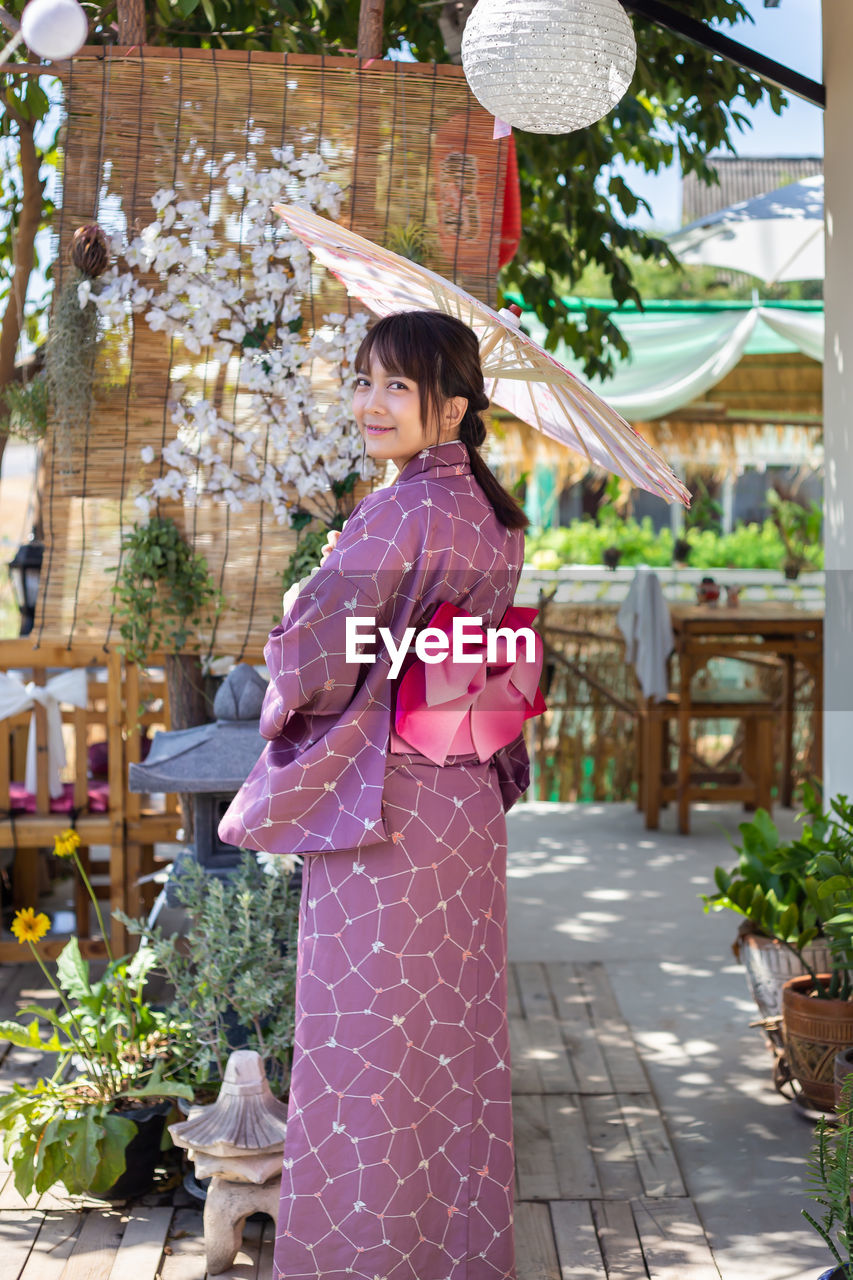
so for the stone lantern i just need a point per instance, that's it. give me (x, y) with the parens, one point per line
(210, 762)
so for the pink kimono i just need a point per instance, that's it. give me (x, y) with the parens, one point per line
(398, 1163)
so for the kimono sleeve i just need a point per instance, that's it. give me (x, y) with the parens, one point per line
(513, 767)
(307, 656)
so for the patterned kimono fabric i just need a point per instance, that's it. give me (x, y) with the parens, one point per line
(398, 1161)
(399, 1156)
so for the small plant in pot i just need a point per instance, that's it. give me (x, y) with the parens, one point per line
(800, 530)
(830, 1172)
(767, 882)
(233, 976)
(99, 1131)
(165, 593)
(796, 892)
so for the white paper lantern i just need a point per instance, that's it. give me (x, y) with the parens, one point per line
(54, 28)
(549, 66)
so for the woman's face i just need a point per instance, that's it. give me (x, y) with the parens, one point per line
(387, 408)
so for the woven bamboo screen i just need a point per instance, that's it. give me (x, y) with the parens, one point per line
(406, 142)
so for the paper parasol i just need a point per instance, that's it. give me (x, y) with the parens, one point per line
(521, 376)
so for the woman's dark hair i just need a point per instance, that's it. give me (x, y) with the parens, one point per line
(442, 355)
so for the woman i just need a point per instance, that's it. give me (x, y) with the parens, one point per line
(399, 1157)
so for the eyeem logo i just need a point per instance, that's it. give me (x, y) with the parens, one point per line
(433, 645)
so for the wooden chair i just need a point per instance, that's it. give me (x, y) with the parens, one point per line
(29, 817)
(146, 702)
(658, 781)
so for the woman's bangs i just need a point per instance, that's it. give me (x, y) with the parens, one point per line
(394, 344)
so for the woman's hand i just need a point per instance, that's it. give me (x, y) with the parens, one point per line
(329, 545)
(292, 592)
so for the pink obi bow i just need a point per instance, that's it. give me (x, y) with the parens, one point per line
(452, 708)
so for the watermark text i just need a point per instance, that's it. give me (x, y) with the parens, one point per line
(434, 645)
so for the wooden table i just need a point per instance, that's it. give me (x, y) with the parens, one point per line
(768, 629)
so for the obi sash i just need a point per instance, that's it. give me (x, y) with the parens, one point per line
(446, 708)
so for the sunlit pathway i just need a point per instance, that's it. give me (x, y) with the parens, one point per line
(590, 887)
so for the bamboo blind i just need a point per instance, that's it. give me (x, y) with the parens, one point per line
(406, 142)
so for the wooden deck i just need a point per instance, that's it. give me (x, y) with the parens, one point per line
(599, 1195)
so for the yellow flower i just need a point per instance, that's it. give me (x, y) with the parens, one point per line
(29, 927)
(66, 843)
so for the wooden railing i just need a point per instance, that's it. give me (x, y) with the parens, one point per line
(585, 746)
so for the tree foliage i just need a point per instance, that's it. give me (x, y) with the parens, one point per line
(684, 102)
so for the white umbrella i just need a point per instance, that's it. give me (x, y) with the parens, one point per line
(777, 236)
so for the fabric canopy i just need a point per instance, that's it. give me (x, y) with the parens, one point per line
(775, 236)
(679, 352)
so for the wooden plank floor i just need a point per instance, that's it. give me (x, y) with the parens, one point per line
(599, 1195)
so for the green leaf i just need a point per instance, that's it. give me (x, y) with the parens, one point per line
(24, 1170)
(160, 1089)
(50, 1157)
(72, 971)
(722, 879)
(13, 1106)
(118, 1132)
(30, 1037)
(53, 1167)
(834, 885)
(83, 1148)
(788, 921)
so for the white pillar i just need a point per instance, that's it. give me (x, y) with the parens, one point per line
(838, 399)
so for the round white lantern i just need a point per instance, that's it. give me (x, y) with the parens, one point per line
(549, 66)
(54, 28)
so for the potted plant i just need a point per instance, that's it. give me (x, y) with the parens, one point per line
(797, 892)
(817, 1009)
(680, 552)
(800, 530)
(165, 593)
(767, 882)
(830, 1172)
(233, 975)
(705, 512)
(100, 1130)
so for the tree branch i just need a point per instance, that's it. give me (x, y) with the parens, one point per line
(23, 259)
(11, 24)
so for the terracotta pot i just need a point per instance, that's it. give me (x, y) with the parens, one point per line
(769, 965)
(843, 1068)
(814, 1031)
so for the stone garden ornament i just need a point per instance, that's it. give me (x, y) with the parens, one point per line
(237, 1143)
(549, 66)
